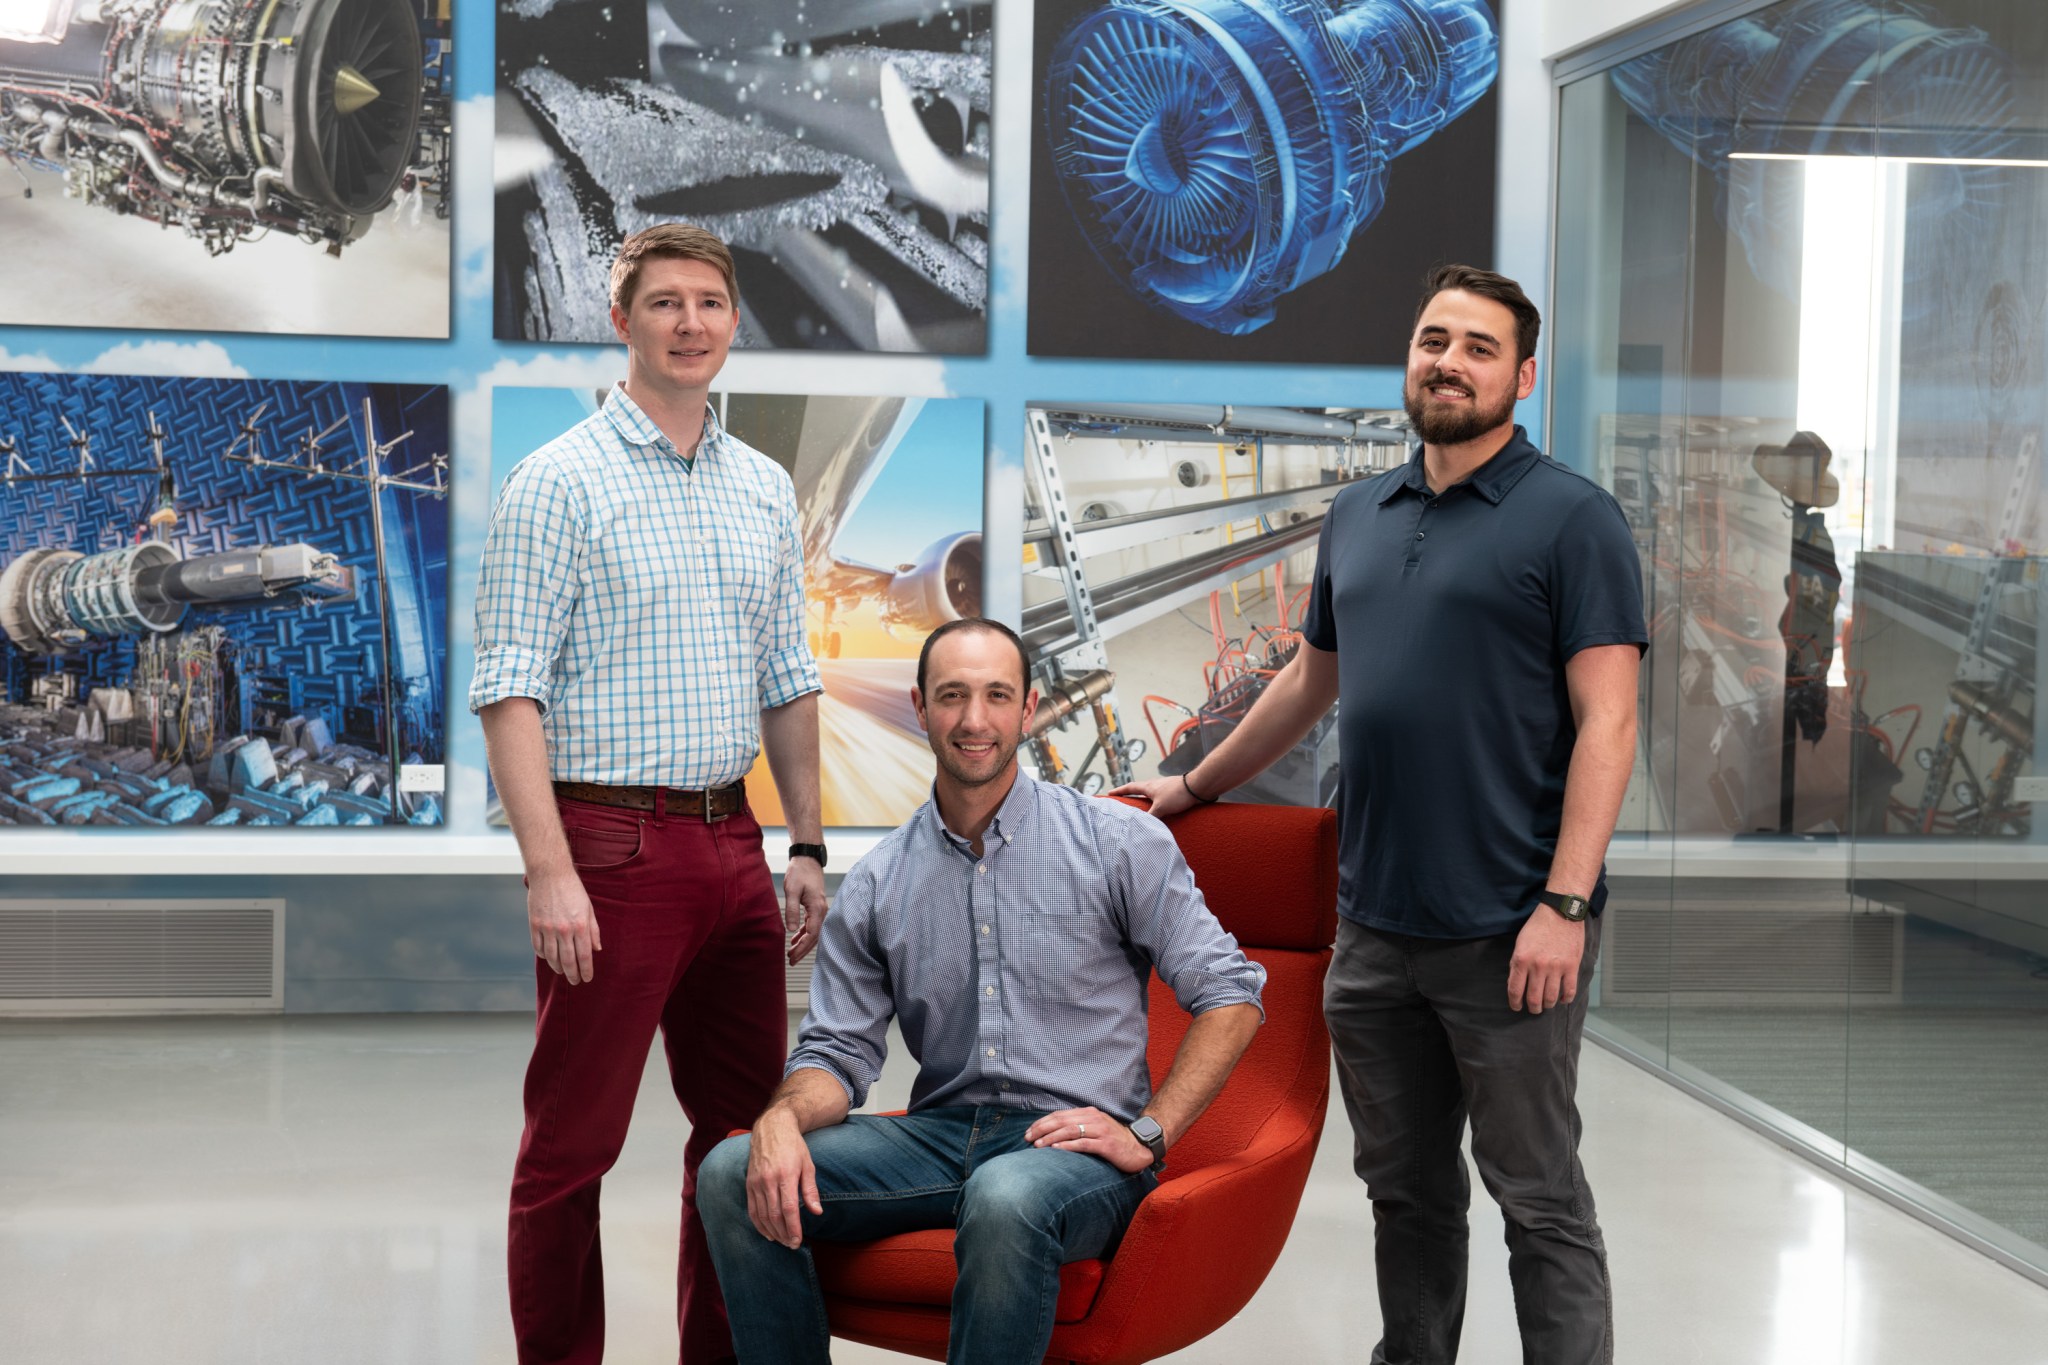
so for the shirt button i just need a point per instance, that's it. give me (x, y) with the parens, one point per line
(982, 869)
(991, 1052)
(988, 990)
(1006, 1085)
(984, 928)
(1418, 535)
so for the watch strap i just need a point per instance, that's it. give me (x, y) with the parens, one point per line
(813, 851)
(1574, 908)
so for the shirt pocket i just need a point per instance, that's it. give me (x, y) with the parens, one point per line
(1069, 957)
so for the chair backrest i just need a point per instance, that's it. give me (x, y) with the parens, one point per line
(1269, 874)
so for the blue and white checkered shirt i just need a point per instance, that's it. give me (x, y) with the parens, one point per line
(651, 606)
(1020, 976)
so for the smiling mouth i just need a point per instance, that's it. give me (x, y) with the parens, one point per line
(1447, 392)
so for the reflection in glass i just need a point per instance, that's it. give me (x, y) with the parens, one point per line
(1800, 313)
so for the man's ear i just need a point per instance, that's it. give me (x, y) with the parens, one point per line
(1525, 382)
(1030, 709)
(619, 323)
(917, 704)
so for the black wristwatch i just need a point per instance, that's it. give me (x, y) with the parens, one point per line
(1148, 1131)
(815, 852)
(1573, 908)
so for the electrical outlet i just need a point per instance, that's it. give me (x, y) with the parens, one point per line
(2030, 789)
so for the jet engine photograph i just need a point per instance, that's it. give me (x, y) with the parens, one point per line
(223, 166)
(222, 602)
(841, 150)
(1196, 164)
(889, 507)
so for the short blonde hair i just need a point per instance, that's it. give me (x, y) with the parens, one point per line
(675, 242)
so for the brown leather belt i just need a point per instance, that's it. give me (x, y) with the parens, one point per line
(710, 806)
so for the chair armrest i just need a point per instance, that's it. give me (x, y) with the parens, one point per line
(1200, 1246)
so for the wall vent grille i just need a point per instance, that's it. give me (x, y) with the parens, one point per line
(141, 956)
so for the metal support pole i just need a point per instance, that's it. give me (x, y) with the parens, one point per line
(372, 478)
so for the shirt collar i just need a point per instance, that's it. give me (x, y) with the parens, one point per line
(1493, 480)
(1010, 817)
(636, 428)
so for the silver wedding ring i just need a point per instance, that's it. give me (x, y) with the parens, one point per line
(1083, 1127)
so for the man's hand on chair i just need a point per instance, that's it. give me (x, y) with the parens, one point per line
(1094, 1132)
(1165, 795)
(781, 1181)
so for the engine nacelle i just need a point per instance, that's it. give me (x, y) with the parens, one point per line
(943, 585)
(222, 117)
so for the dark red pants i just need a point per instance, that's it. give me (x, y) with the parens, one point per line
(693, 944)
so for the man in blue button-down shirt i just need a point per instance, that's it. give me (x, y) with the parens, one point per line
(639, 638)
(1010, 927)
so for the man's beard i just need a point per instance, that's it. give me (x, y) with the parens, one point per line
(966, 777)
(1453, 426)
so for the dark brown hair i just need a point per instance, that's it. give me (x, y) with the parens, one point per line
(981, 623)
(1487, 285)
(670, 241)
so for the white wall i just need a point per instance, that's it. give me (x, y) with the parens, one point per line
(1568, 24)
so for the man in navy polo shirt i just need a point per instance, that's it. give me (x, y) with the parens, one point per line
(1479, 614)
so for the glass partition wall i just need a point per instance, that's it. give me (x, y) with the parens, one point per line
(1799, 317)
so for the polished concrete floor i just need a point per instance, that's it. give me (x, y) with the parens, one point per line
(332, 1189)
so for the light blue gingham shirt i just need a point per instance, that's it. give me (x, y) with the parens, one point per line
(1019, 977)
(651, 606)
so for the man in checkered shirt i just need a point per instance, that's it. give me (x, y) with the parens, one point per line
(639, 639)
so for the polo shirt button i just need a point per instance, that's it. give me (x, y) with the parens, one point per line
(1419, 535)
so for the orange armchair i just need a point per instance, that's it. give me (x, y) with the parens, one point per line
(1202, 1243)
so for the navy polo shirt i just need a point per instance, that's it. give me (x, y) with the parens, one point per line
(1452, 616)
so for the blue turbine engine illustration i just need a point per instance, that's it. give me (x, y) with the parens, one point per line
(1833, 78)
(1219, 154)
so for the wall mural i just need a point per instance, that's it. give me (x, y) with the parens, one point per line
(889, 494)
(227, 167)
(1204, 160)
(222, 602)
(842, 150)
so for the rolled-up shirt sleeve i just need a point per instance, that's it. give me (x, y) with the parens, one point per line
(845, 1034)
(784, 668)
(526, 589)
(1194, 955)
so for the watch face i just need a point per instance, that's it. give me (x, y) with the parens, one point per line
(1573, 908)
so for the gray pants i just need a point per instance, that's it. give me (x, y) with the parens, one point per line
(1424, 1036)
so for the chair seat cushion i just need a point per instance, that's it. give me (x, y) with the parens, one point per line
(917, 1267)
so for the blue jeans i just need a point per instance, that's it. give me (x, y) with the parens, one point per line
(1020, 1213)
